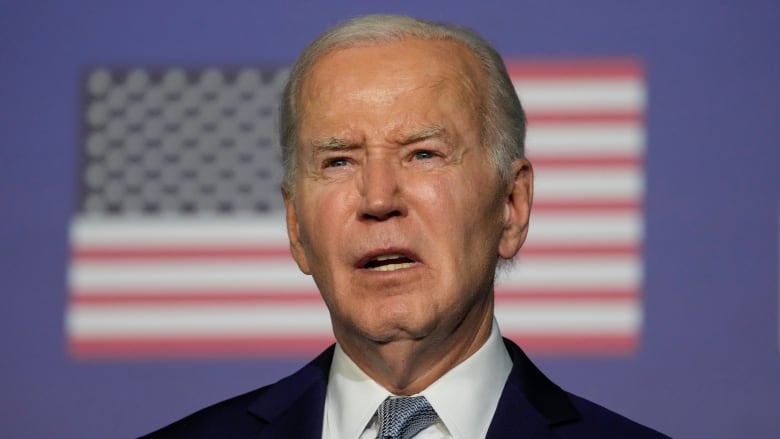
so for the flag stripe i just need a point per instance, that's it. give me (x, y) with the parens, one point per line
(297, 347)
(629, 161)
(580, 223)
(588, 183)
(573, 69)
(176, 298)
(564, 205)
(594, 96)
(540, 117)
(271, 320)
(589, 138)
(161, 347)
(573, 344)
(259, 255)
(201, 275)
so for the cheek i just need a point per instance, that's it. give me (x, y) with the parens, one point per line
(323, 223)
(437, 196)
(421, 189)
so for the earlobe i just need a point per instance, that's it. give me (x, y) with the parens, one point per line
(517, 208)
(294, 234)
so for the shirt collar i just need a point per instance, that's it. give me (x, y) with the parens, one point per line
(352, 398)
(465, 398)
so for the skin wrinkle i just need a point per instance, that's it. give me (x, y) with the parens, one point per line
(333, 145)
(469, 78)
(329, 143)
(375, 108)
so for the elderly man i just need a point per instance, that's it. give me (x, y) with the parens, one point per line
(405, 186)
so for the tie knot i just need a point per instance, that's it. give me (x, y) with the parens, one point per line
(405, 416)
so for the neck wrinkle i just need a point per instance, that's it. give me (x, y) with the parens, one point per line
(407, 367)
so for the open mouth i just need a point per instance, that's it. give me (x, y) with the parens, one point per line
(389, 262)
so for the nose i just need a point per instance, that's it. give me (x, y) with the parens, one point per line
(379, 189)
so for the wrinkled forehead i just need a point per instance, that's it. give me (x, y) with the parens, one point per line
(443, 65)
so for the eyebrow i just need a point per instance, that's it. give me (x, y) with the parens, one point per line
(330, 143)
(337, 143)
(425, 133)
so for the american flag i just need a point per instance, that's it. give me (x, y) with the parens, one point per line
(179, 245)
(578, 280)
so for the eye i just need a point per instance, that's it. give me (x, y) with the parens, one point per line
(422, 155)
(336, 162)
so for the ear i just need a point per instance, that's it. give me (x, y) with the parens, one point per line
(517, 208)
(294, 233)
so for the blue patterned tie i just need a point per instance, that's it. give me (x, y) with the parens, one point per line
(405, 416)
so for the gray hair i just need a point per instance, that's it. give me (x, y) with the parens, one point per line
(502, 121)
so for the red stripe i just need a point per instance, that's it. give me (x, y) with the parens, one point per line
(583, 250)
(536, 118)
(568, 161)
(167, 298)
(574, 206)
(98, 254)
(198, 347)
(86, 348)
(149, 252)
(572, 344)
(178, 298)
(578, 69)
(514, 296)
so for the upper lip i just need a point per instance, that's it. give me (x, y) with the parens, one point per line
(374, 254)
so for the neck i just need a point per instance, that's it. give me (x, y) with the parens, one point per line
(407, 367)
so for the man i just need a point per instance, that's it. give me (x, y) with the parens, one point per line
(405, 186)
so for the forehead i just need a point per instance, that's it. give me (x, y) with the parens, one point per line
(388, 73)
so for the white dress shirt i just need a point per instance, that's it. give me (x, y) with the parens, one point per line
(465, 398)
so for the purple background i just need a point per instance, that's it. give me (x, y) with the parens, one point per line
(708, 365)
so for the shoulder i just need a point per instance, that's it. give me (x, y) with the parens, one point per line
(218, 420)
(253, 412)
(597, 421)
(568, 415)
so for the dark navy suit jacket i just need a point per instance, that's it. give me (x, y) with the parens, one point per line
(531, 406)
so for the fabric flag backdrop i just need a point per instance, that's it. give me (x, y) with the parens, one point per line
(179, 246)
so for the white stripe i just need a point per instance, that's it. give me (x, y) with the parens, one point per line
(584, 228)
(584, 318)
(207, 320)
(589, 95)
(587, 184)
(196, 276)
(200, 277)
(313, 320)
(585, 272)
(184, 232)
(545, 227)
(585, 139)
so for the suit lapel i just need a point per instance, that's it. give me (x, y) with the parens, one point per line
(294, 406)
(530, 403)
(516, 418)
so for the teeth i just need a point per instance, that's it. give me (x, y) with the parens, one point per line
(386, 257)
(392, 267)
(389, 262)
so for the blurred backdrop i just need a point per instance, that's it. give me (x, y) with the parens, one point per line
(143, 266)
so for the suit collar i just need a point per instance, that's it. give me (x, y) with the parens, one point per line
(530, 403)
(293, 406)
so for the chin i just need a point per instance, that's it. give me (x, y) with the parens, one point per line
(389, 330)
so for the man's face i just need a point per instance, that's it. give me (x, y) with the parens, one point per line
(397, 212)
